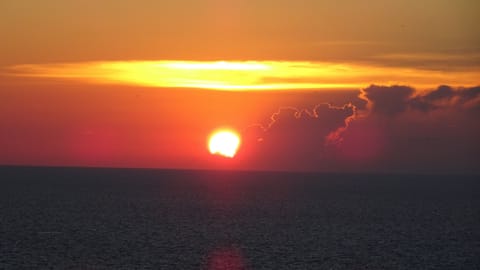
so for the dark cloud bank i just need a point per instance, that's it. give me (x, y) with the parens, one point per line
(399, 130)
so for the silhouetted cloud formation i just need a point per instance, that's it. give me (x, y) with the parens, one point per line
(387, 100)
(401, 129)
(296, 138)
(324, 117)
(391, 100)
(447, 97)
(406, 130)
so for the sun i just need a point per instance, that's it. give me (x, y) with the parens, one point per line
(224, 143)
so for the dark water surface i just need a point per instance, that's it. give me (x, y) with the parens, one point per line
(65, 218)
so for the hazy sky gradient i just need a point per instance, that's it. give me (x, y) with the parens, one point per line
(64, 31)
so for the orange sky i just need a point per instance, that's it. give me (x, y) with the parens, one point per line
(129, 83)
(382, 32)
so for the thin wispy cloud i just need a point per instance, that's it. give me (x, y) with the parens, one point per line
(242, 75)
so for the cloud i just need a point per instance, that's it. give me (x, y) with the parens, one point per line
(320, 123)
(442, 92)
(446, 97)
(401, 129)
(297, 139)
(387, 100)
(242, 75)
(392, 100)
(407, 130)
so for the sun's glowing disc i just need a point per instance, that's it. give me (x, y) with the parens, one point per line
(224, 143)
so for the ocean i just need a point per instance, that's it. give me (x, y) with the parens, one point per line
(92, 218)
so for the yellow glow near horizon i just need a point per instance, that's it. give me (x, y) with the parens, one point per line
(244, 75)
(224, 143)
(220, 65)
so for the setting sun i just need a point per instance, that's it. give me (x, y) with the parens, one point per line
(224, 143)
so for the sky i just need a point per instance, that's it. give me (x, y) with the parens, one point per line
(310, 85)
